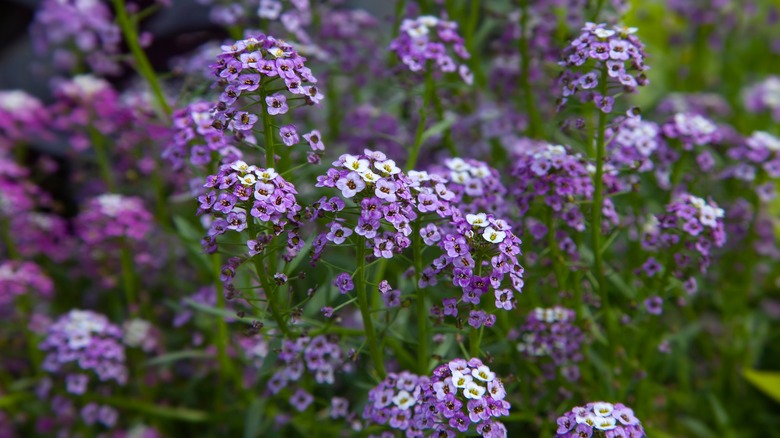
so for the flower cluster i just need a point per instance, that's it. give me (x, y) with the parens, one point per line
(21, 277)
(22, 117)
(690, 223)
(239, 188)
(422, 44)
(600, 58)
(477, 186)
(196, 141)
(764, 97)
(757, 159)
(81, 342)
(691, 130)
(383, 193)
(602, 419)
(633, 143)
(322, 356)
(551, 333)
(479, 253)
(78, 31)
(246, 66)
(461, 395)
(110, 216)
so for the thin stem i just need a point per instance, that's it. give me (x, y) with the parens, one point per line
(418, 136)
(222, 334)
(142, 64)
(423, 355)
(598, 201)
(525, 75)
(128, 279)
(270, 291)
(102, 159)
(375, 349)
(267, 132)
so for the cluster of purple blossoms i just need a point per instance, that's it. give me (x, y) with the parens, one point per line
(195, 141)
(21, 277)
(633, 142)
(422, 45)
(605, 420)
(110, 216)
(691, 130)
(552, 333)
(383, 193)
(246, 67)
(240, 193)
(477, 186)
(461, 395)
(22, 117)
(705, 104)
(79, 345)
(764, 97)
(322, 356)
(78, 31)
(599, 55)
(757, 159)
(80, 342)
(690, 223)
(479, 253)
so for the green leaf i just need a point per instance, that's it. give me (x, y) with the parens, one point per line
(178, 355)
(437, 128)
(191, 237)
(175, 413)
(254, 418)
(767, 382)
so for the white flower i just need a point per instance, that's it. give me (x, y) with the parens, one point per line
(483, 373)
(474, 391)
(353, 163)
(494, 236)
(387, 166)
(603, 409)
(369, 176)
(709, 216)
(404, 400)
(460, 380)
(456, 164)
(428, 20)
(239, 166)
(247, 179)
(477, 220)
(267, 174)
(605, 423)
(276, 52)
(603, 33)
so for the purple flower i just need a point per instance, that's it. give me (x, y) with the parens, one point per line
(301, 400)
(315, 140)
(351, 184)
(289, 135)
(276, 104)
(654, 305)
(344, 282)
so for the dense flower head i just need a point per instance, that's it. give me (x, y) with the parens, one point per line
(81, 343)
(22, 117)
(633, 143)
(240, 193)
(77, 31)
(764, 97)
(757, 159)
(17, 194)
(552, 333)
(690, 223)
(705, 104)
(196, 142)
(322, 356)
(381, 193)
(460, 396)
(600, 419)
(111, 216)
(476, 185)
(423, 43)
(691, 130)
(480, 255)
(20, 278)
(600, 54)
(246, 66)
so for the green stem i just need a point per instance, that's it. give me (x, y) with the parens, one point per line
(142, 64)
(268, 132)
(268, 288)
(225, 368)
(534, 122)
(555, 252)
(10, 245)
(128, 280)
(423, 354)
(102, 159)
(418, 136)
(598, 201)
(359, 279)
